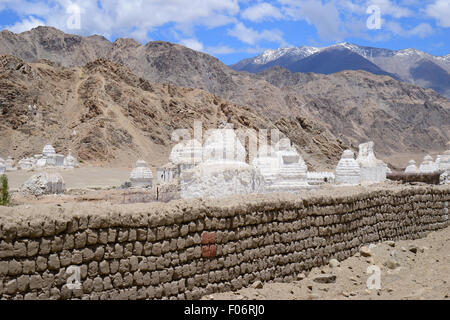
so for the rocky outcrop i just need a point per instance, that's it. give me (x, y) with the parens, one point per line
(44, 184)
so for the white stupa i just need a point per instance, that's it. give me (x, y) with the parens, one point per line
(428, 165)
(223, 171)
(348, 171)
(70, 161)
(189, 152)
(268, 163)
(444, 164)
(372, 169)
(41, 163)
(25, 164)
(10, 164)
(411, 168)
(222, 145)
(141, 176)
(292, 172)
(48, 150)
(2, 166)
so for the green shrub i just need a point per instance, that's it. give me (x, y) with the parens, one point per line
(5, 198)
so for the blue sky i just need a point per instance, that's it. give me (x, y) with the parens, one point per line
(235, 29)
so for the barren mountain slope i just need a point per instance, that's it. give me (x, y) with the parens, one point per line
(157, 61)
(358, 106)
(354, 105)
(108, 115)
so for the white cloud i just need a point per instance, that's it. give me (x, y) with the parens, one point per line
(121, 17)
(194, 44)
(25, 25)
(324, 16)
(440, 10)
(252, 36)
(422, 30)
(261, 11)
(389, 8)
(220, 50)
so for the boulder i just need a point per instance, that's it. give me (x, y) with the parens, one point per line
(44, 183)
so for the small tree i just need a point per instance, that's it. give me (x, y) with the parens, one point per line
(5, 198)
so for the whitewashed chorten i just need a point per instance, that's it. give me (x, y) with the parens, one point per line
(428, 165)
(223, 171)
(2, 166)
(372, 169)
(141, 176)
(348, 171)
(411, 168)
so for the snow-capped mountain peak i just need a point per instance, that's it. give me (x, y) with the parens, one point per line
(410, 52)
(272, 55)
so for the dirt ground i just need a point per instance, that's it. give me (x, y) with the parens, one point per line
(411, 270)
(80, 178)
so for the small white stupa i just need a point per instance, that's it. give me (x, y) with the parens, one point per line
(372, 169)
(268, 163)
(223, 171)
(189, 152)
(25, 164)
(411, 168)
(184, 156)
(48, 150)
(2, 166)
(428, 165)
(348, 171)
(141, 176)
(292, 172)
(444, 164)
(70, 161)
(10, 164)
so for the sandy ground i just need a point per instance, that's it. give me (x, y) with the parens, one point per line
(422, 272)
(80, 178)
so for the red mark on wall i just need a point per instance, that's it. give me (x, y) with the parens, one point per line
(209, 244)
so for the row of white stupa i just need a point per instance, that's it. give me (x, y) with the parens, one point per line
(218, 168)
(48, 159)
(442, 163)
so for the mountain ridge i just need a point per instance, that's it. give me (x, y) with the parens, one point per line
(354, 106)
(398, 63)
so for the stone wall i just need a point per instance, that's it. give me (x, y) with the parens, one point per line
(189, 248)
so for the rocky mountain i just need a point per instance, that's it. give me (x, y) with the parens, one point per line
(402, 64)
(354, 106)
(282, 57)
(108, 115)
(357, 106)
(334, 60)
